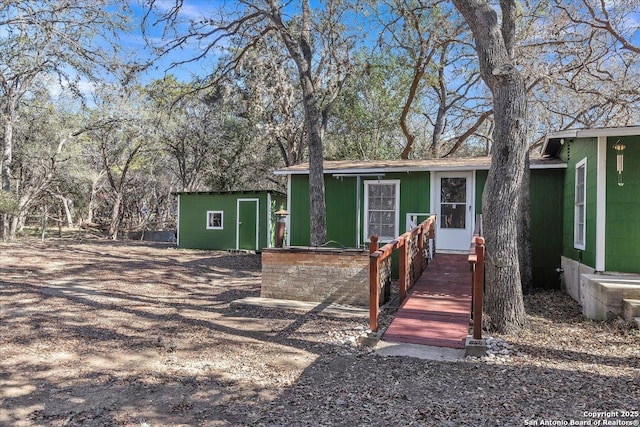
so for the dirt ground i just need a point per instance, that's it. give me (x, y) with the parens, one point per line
(99, 333)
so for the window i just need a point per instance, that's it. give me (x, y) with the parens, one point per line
(382, 203)
(453, 203)
(579, 219)
(214, 220)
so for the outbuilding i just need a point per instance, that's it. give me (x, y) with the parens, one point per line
(224, 220)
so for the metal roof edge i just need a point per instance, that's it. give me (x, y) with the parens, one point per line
(617, 131)
(178, 193)
(590, 133)
(417, 169)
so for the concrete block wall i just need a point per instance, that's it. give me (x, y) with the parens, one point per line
(573, 270)
(600, 295)
(336, 276)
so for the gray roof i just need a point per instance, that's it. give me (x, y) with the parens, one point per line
(230, 192)
(432, 165)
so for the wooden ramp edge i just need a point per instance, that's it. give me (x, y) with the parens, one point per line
(437, 309)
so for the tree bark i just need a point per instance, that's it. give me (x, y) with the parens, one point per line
(300, 51)
(503, 190)
(525, 251)
(114, 226)
(5, 161)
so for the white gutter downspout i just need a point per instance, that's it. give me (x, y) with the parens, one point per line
(268, 227)
(288, 219)
(178, 224)
(358, 182)
(601, 203)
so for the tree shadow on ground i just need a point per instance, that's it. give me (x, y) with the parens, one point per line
(89, 344)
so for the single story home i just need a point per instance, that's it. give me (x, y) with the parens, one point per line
(388, 197)
(597, 230)
(242, 220)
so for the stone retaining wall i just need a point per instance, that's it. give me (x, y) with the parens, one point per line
(319, 275)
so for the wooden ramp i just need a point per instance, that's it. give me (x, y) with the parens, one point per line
(437, 309)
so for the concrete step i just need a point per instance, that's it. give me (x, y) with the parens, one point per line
(630, 308)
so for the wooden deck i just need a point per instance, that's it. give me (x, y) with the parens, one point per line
(437, 309)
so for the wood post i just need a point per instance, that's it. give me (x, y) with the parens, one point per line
(420, 266)
(478, 288)
(374, 284)
(402, 270)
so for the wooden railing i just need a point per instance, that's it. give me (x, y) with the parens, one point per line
(416, 248)
(476, 260)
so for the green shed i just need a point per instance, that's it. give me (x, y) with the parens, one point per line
(243, 220)
(387, 198)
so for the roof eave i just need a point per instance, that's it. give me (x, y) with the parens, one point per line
(460, 168)
(588, 133)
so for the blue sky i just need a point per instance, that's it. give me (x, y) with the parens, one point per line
(134, 43)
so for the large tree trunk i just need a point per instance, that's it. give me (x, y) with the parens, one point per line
(67, 211)
(5, 162)
(502, 194)
(316, 180)
(114, 227)
(300, 51)
(525, 251)
(7, 146)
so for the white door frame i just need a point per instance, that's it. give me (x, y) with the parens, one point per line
(461, 240)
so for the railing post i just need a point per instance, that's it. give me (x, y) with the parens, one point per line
(374, 283)
(432, 236)
(402, 271)
(420, 266)
(478, 285)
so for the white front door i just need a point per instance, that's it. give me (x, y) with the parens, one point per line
(454, 207)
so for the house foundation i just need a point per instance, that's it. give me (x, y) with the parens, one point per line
(601, 295)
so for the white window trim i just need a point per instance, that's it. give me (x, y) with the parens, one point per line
(221, 220)
(395, 182)
(576, 243)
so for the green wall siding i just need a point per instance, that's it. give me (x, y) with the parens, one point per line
(341, 199)
(622, 239)
(573, 152)
(299, 225)
(546, 189)
(546, 212)
(341, 196)
(481, 180)
(193, 231)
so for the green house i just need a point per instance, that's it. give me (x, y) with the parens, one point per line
(387, 198)
(585, 208)
(601, 216)
(228, 220)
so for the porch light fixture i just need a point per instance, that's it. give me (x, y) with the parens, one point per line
(619, 147)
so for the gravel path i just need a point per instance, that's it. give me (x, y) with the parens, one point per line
(106, 334)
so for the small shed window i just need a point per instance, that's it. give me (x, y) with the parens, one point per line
(579, 219)
(382, 209)
(214, 220)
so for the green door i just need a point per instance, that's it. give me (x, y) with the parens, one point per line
(247, 224)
